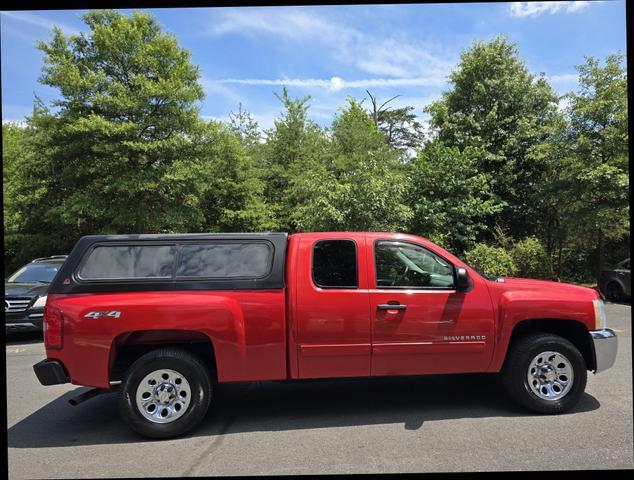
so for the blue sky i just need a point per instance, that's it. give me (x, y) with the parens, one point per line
(330, 52)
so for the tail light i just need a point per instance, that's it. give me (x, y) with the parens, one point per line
(53, 327)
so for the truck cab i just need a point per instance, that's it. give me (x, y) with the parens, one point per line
(163, 318)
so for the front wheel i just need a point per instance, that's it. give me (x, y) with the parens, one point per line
(614, 292)
(165, 393)
(544, 373)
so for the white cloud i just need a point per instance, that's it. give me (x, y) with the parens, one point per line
(335, 83)
(563, 78)
(292, 23)
(396, 56)
(534, 9)
(401, 57)
(217, 88)
(39, 21)
(289, 82)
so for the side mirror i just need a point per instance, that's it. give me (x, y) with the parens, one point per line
(463, 282)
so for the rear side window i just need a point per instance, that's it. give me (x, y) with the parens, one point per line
(335, 264)
(225, 260)
(109, 262)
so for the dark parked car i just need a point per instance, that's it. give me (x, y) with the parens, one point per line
(614, 282)
(25, 293)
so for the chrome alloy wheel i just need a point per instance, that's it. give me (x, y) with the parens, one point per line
(550, 375)
(163, 396)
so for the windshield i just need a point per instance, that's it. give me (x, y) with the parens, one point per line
(35, 273)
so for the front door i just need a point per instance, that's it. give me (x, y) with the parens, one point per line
(332, 306)
(421, 324)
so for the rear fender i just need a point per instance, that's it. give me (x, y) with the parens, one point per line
(246, 329)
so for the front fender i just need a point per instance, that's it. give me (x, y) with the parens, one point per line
(519, 306)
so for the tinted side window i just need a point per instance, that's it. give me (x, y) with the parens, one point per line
(128, 261)
(406, 265)
(335, 264)
(225, 260)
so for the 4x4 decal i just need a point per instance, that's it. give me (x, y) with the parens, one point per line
(96, 315)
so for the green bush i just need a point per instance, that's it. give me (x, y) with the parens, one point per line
(531, 259)
(490, 260)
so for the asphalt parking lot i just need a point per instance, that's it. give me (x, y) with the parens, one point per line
(439, 423)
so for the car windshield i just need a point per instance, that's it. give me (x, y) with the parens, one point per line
(35, 273)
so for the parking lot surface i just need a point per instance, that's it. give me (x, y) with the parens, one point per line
(444, 423)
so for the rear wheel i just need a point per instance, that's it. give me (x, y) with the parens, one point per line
(544, 373)
(165, 393)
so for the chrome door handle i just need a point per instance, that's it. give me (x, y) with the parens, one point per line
(389, 306)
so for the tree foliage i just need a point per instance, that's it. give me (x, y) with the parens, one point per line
(596, 171)
(401, 126)
(496, 105)
(451, 195)
(292, 147)
(359, 186)
(531, 259)
(120, 140)
(489, 260)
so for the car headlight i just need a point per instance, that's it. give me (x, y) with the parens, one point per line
(40, 302)
(599, 314)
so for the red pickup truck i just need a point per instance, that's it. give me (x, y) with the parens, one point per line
(163, 318)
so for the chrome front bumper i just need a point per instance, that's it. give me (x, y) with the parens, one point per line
(605, 345)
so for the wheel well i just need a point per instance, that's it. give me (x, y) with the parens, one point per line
(614, 282)
(573, 331)
(130, 346)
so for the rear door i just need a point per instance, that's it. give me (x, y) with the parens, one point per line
(332, 308)
(421, 324)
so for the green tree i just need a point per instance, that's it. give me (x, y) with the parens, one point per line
(293, 147)
(400, 125)
(119, 141)
(496, 105)
(360, 185)
(245, 127)
(531, 259)
(450, 196)
(550, 196)
(229, 187)
(596, 174)
(14, 157)
(488, 260)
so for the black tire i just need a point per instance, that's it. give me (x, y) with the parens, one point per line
(515, 370)
(190, 367)
(614, 292)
